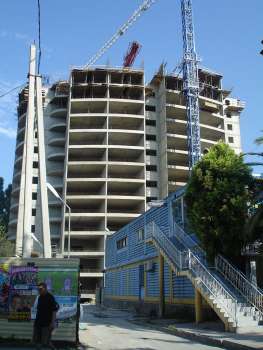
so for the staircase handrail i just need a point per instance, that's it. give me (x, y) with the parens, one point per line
(215, 287)
(251, 293)
(178, 258)
(188, 260)
(183, 237)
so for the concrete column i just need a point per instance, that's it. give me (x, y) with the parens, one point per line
(65, 173)
(198, 307)
(161, 286)
(29, 145)
(21, 203)
(45, 227)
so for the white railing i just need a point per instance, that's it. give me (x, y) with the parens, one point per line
(178, 258)
(210, 285)
(251, 293)
(188, 260)
(188, 242)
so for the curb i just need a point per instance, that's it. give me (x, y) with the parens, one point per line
(27, 345)
(226, 344)
(198, 337)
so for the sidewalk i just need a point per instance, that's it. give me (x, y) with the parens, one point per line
(203, 334)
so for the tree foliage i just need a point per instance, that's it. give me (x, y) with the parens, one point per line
(6, 247)
(5, 198)
(254, 224)
(217, 199)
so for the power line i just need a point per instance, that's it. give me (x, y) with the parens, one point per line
(11, 90)
(39, 36)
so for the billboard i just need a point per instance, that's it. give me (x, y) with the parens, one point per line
(4, 290)
(19, 294)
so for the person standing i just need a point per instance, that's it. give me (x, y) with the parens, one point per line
(47, 308)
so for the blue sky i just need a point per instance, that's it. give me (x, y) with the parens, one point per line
(228, 35)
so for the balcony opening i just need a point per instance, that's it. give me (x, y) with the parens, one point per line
(174, 83)
(116, 78)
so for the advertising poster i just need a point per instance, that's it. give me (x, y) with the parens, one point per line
(19, 293)
(4, 290)
(22, 292)
(63, 284)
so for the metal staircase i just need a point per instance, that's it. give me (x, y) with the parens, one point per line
(235, 300)
(252, 295)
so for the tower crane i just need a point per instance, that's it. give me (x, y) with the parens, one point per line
(133, 51)
(191, 84)
(122, 30)
(190, 71)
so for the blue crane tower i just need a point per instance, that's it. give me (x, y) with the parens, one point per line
(191, 84)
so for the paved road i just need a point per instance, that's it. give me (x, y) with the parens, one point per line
(115, 330)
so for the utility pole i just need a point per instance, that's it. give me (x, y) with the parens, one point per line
(29, 150)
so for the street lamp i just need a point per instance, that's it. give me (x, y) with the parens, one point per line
(36, 240)
(106, 233)
(54, 192)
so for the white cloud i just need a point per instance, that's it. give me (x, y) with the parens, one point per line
(4, 34)
(21, 36)
(11, 133)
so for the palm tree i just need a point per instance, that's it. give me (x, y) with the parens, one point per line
(259, 140)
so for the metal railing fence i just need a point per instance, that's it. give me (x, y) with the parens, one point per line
(188, 242)
(177, 257)
(187, 260)
(250, 292)
(209, 284)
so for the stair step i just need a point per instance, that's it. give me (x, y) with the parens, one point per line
(247, 316)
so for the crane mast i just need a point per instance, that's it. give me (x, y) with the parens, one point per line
(191, 83)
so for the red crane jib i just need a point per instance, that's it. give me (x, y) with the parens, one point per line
(132, 52)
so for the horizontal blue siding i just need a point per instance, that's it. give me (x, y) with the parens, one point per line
(122, 266)
(125, 282)
(152, 279)
(135, 248)
(182, 287)
(122, 282)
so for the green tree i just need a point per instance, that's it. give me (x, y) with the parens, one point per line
(254, 224)
(5, 199)
(7, 202)
(217, 199)
(7, 248)
(2, 197)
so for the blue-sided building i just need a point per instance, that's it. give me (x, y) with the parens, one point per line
(133, 263)
(155, 266)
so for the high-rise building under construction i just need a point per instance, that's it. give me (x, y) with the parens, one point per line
(113, 145)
